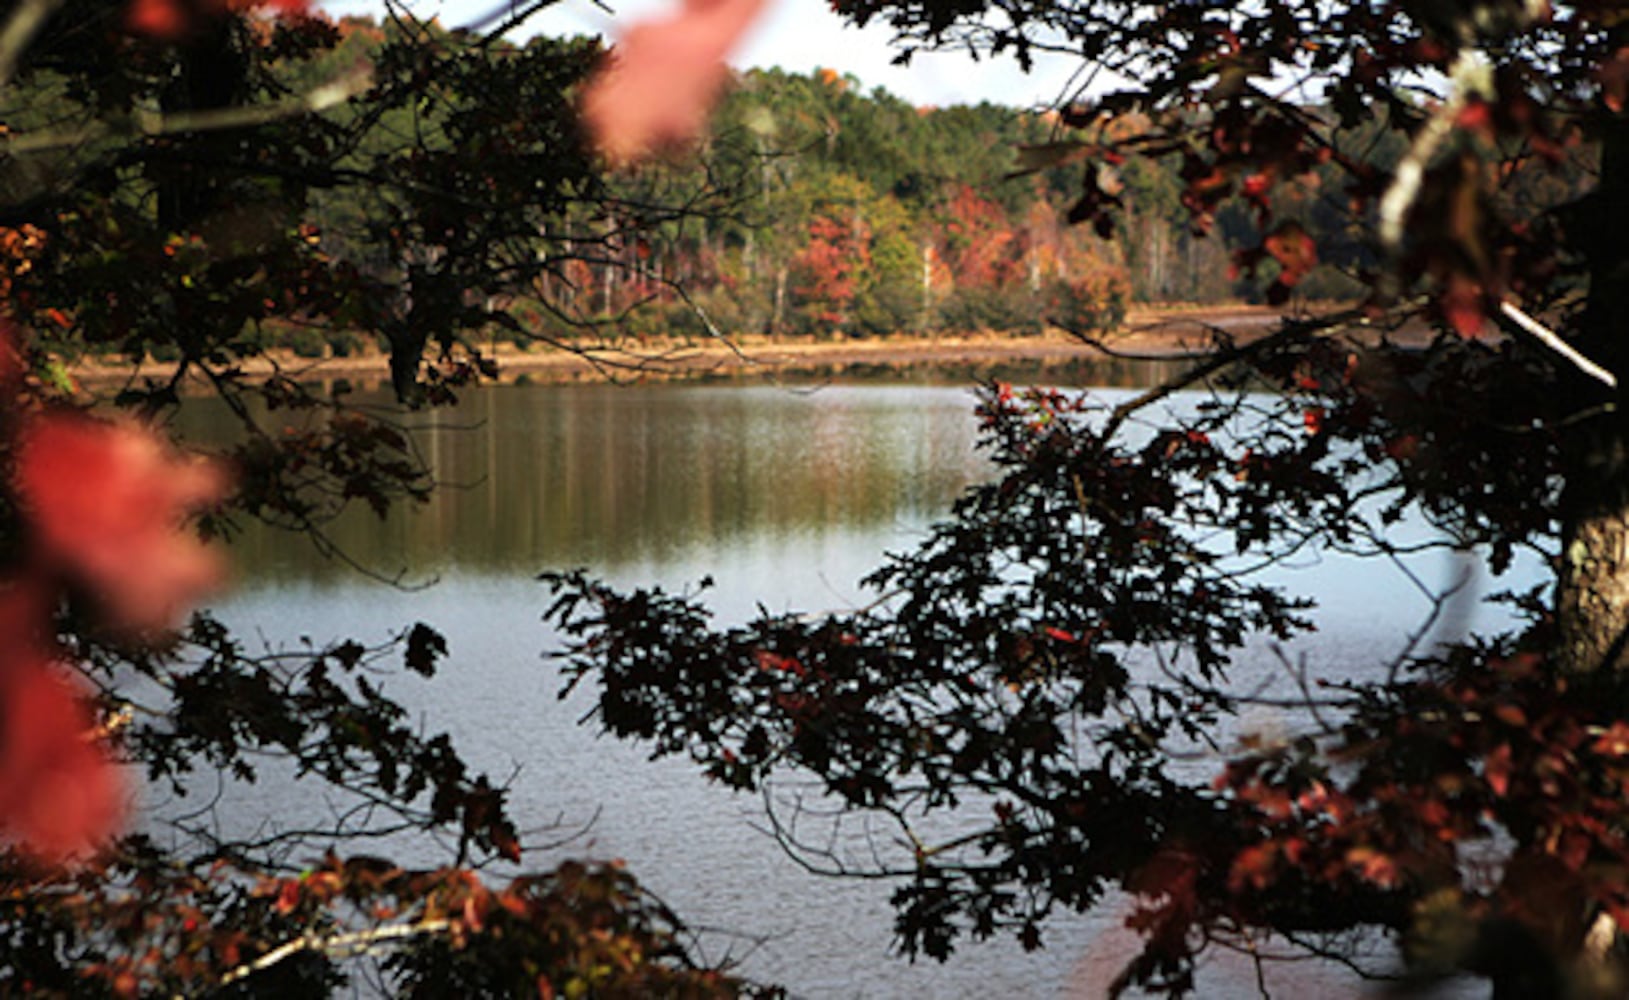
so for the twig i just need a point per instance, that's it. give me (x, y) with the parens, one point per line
(1550, 339)
(150, 124)
(337, 946)
(1103, 347)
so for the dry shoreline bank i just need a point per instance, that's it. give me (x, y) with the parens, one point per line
(1150, 333)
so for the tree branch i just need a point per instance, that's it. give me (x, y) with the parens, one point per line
(1549, 338)
(345, 945)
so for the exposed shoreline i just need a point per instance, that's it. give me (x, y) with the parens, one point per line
(1152, 334)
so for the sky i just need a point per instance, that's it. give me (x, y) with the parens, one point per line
(798, 35)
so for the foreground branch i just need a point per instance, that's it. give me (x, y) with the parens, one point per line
(347, 945)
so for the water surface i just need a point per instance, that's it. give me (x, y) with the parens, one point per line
(785, 497)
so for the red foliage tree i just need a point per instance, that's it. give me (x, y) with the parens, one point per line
(826, 273)
(981, 247)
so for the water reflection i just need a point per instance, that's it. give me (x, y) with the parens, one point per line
(559, 475)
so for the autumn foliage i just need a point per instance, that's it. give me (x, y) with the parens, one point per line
(1048, 701)
(104, 508)
(1062, 675)
(179, 243)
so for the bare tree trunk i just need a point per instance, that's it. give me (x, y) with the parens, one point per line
(1592, 601)
(780, 302)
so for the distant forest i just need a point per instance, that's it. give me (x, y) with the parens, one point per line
(818, 209)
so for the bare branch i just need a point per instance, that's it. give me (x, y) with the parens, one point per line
(1549, 338)
(19, 31)
(149, 124)
(345, 945)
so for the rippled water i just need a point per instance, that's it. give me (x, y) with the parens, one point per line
(785, 497)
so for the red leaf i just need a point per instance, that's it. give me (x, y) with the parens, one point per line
(288, 896)
(1511, 715)
(1496, 768)
(1614, 77)
(664, 77)
(1476, 116)
(505, 843)
(59, 794)
(1462, 307)
(1615, 741)
(474, 918)
(1374, 867)
(1294, 250)
(108, 503)
(169, 19)
(158, 18)
(1253, 867)
(1403, 448)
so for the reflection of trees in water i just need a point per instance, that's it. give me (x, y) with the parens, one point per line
(546, 476)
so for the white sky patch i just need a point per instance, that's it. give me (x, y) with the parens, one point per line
(797, 35)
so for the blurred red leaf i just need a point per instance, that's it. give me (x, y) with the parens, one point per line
(59, 794)
(1615, 741)
(1614, 77)
(1294, 250)
(1496, 767)
(506, 844)
(1253, 867)
(108, 504)
(1374, 867)
(1511, 715)
(288, 896)
(169, 19)
(1477, 116)
(1462, 307)
(663, 77)
(158, 18)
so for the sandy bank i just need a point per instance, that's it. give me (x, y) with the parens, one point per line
(1147, 332)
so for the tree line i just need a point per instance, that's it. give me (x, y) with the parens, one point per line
(815, 208)
(833, 211)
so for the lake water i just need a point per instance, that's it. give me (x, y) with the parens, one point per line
(785, 496)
